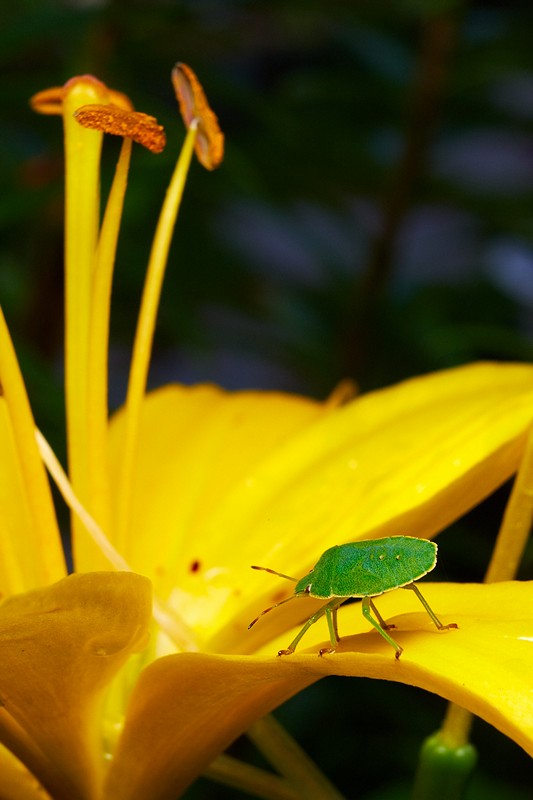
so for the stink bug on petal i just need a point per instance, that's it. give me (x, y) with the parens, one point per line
(363, 569)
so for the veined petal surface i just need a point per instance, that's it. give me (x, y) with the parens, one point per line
(274, 480)
(195, 704)
(59, 648)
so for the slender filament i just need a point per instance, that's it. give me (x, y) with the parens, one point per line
(142, 347)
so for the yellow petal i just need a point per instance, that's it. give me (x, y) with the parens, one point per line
(30, 544)
(17, 782)
(17, 567)
(59, 648)
(196, 704)
(197, 442)
(253, 478)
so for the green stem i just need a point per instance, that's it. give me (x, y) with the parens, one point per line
(456, 726)
(443, 770)
(280, 749)
(446, 758)
(232, 772)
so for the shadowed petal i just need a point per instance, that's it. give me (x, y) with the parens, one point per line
(17, 782)
(59, 648)
(187, 708)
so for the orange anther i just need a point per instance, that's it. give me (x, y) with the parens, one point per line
(49, 101)
(130, 124)
(209, 145)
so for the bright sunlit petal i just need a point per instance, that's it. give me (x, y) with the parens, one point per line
(195, 704)
(404, 460)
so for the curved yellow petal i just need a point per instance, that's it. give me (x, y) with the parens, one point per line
(16, 782)
(228, 480)
(31, 555)
(59, 648)
(197, 442)
(17, 570)
(196, 704)
(27, 523)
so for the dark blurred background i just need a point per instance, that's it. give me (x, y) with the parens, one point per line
(373, 219)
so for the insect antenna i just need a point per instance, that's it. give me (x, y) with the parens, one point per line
(266, 610)
(279, 574)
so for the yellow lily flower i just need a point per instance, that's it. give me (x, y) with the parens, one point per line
(192, 485)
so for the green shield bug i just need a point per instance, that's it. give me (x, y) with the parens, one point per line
(363, 569)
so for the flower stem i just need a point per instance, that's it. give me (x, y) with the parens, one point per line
(257, 782)
(517, 522)
(82, 209)
(444, 770)
(145, 332)
(424, 102)
(280, 749)
(456, 726)
(447, 758)
(99, 340)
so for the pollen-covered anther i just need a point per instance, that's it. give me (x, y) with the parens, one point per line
(135, 125)
(209, 145)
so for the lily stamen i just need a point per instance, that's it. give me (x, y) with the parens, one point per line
(207, 140)
(142, 128)
(193, 105)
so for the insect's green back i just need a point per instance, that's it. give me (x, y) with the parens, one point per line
(370, 567)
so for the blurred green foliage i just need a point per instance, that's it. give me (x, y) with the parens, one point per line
(373, 218)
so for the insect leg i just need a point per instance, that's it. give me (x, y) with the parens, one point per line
(311, 621)
(426, 605)
(385, 625)
(331, 616)
(366, 606)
